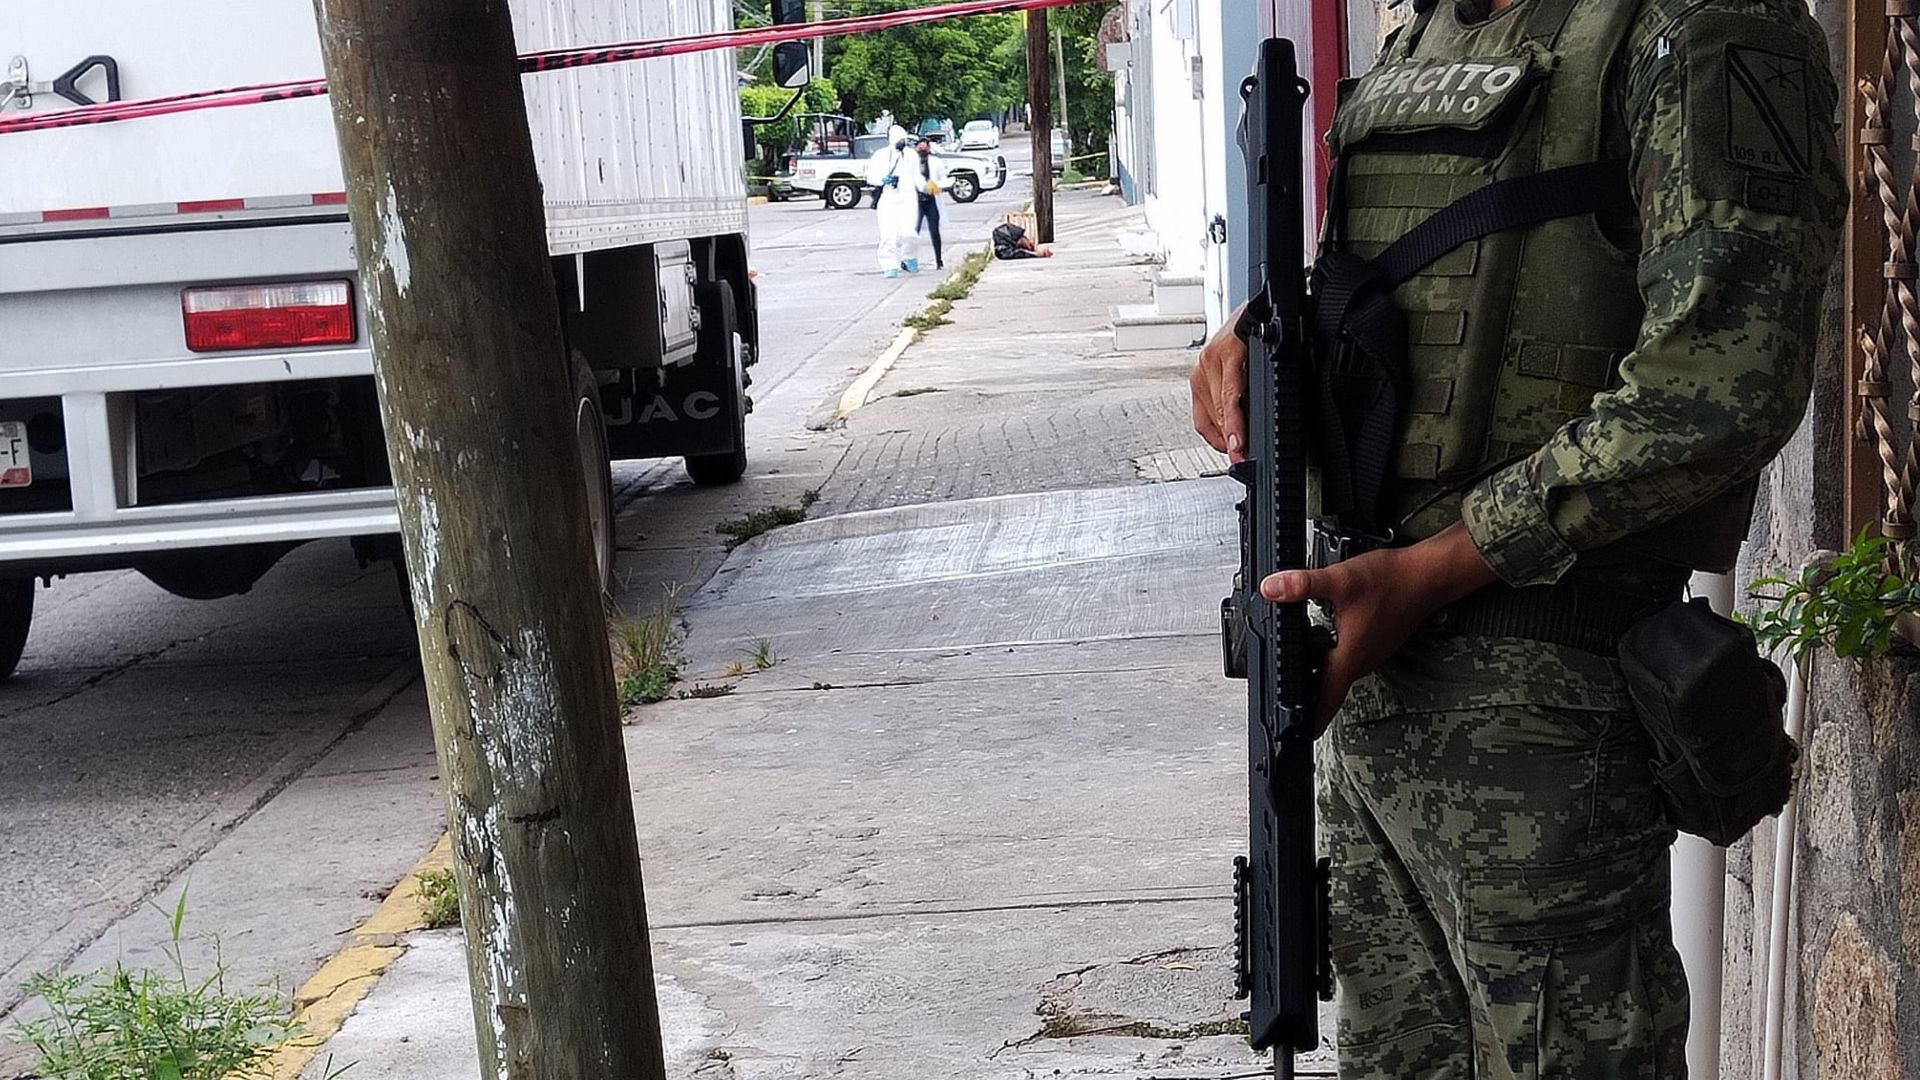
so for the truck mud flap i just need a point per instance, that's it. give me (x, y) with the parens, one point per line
(690, 415)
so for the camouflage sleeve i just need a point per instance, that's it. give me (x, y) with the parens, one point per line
(1729, 107)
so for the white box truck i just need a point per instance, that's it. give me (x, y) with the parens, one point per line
(185, 383)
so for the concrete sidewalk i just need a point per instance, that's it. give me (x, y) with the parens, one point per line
(978, 819)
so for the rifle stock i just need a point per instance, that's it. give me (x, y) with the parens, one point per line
(1280, 887)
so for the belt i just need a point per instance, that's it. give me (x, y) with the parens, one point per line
(1574, 613)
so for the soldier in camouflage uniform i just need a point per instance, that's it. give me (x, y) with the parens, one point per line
(1588, 404)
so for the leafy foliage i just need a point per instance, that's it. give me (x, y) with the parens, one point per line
(766, 99)
(958, 70)
(1851, 603)
(439, 898)
(147, 1024)
(1089, 85)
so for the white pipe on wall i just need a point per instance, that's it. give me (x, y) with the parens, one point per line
(1773, 1047)
(1700, 905)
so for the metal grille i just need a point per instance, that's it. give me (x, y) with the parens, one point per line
(1887, 350)
(1884, 266)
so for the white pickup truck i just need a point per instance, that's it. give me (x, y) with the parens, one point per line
(830, 161)
(185, 383)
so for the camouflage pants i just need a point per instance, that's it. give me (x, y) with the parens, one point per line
(1500, 872)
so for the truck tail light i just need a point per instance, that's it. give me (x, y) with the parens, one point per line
(268, 316)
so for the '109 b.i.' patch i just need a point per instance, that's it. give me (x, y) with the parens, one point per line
(1767, 122)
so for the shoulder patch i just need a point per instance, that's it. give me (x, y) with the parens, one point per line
(1753, 94)
(1769, 128)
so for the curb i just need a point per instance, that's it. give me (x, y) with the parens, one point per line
(333, 993)
(856, 394)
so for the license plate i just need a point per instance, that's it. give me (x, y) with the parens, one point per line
(16, 471)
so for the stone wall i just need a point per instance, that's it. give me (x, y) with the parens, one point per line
(1853, 980)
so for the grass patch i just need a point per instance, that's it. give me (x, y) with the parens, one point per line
(761, 655)
(757, 656)
(154, 1024)
(1073, 176)
(439, 898)
(958, 286)
(934, 315)
(747, 526)
(646, 650)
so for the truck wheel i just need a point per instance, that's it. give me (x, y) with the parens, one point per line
(16, 618)
(965, 187)
(719, 337)
(841, 195)
(590, 435)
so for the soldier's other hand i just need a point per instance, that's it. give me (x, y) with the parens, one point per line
(1219, 384)
(1378, 600)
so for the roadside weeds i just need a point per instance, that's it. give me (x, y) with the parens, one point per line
(958, 286)
(646, 649)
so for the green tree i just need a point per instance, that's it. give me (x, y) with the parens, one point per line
(1089, 84)
(766, 99)
(958, 70)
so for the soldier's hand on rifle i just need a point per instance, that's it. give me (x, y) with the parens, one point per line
(1219, 383)
(1378, 600)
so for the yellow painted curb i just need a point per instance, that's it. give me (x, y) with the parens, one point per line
(856, 395)
(327, 999)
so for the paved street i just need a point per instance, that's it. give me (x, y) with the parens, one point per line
(144, 729)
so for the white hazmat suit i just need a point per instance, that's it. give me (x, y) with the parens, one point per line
(895, 170)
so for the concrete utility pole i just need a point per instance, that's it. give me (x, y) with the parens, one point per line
(477, 404)
(1040, 131)
(1065, 116)
(817, 12)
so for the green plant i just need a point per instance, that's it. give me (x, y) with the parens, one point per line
(646, 650)
(959, 284)
(1850, 603)
(935, 314)
(148, 1024)
(760, 654)
(439, 898)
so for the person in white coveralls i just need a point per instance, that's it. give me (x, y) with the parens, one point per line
(894, 169)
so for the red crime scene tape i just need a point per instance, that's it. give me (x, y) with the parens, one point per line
(552, 60)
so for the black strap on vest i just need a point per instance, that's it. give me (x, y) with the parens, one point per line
(1360, 333)
(1590, 188)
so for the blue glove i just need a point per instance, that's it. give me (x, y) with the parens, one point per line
(893, 181)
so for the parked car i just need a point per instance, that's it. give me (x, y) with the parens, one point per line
(980, 135)
(1062, 145)
(833, 166)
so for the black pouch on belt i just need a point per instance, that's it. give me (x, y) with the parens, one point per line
(1712, 707)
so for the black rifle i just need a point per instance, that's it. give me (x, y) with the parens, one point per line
(1280, 888)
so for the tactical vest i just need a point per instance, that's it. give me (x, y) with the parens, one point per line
(1510, 336)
